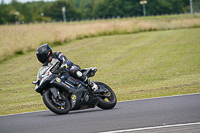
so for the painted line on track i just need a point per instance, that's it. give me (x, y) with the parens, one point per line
(118, 102)
(148, 128)
(160, 97)
(23, 113)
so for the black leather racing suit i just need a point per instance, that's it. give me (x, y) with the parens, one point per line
(73, 69)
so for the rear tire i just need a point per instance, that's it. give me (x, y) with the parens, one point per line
(51, 105)
(107, 102)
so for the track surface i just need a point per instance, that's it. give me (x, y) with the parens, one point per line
(126, 115)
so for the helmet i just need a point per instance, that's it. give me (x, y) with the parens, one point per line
(43, 52)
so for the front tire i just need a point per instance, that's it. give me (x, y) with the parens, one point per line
(107, 100)
(59, 109)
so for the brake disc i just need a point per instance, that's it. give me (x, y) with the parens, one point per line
(58, 102)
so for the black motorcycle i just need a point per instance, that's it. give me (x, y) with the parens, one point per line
(62, 93)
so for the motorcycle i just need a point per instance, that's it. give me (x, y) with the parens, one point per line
(62, 93)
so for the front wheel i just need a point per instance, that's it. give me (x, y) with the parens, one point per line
(58, 106)
(107, 100)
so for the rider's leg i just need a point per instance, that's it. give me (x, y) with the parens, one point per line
(78, 74)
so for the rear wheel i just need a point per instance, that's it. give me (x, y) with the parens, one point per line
(58, 106)
(107, 100)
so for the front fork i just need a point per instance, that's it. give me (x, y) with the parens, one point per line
(56, 93)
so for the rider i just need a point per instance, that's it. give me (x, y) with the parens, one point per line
(47, 57)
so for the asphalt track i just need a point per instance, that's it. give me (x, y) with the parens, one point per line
(156, 115)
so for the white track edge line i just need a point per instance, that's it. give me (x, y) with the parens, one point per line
(148, 128)
(160, 97)
(23, 113)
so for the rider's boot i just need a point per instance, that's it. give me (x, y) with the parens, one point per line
(93, 86)
(86, 80)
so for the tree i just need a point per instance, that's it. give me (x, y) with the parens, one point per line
(165, 6)
(55, 11)
(110, 8)
(3, 13)
(79, 9)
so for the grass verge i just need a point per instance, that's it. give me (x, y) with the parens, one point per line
(19, 39)
(140, 65)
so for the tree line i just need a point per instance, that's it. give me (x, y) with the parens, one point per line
(84, 9)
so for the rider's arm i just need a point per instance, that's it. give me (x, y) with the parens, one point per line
(64, 61)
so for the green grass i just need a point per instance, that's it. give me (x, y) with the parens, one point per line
(136, 66)
(17, 39)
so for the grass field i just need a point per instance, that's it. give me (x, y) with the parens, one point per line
(19, 39)
(140, 65)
